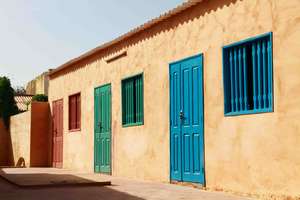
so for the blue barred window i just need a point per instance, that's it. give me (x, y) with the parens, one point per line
(248, 76)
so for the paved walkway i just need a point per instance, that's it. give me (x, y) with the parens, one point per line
(121, 189)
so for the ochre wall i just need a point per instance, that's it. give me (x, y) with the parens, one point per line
(4, 144)
(20, 126)
(257, 153)
(40, 130)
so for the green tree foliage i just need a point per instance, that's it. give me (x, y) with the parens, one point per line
(40, 97)
(8, 105)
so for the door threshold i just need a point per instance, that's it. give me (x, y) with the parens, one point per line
(103, 173)
(189, 184)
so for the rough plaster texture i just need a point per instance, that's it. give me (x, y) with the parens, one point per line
(39, 85)
(257, 153)
(30, 136)
(4, 144)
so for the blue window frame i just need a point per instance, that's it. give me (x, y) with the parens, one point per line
(248, 76)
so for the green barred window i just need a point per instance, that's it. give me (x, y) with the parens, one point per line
(132, 101)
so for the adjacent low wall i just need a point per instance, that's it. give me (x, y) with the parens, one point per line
(20, 126)
(30, 136)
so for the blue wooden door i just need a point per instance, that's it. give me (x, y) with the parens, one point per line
(186, 119)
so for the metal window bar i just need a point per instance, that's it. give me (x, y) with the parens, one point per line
(259, 81)
(231, 81)
(270, 86)
(246, 106)
(241, 87)
(265, 78)
(254, 75)
(236, 99)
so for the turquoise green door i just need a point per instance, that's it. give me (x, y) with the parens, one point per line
(102, 149)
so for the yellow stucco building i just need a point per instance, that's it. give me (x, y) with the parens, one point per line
(207, 93)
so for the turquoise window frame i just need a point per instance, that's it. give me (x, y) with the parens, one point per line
(239, 51)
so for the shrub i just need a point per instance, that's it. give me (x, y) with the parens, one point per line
(40, 97)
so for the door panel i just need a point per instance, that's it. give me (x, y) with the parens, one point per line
(187, 120)
(175, 123)
(57, 119)
(103, 129)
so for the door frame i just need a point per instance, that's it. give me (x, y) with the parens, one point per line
(175, 62)
(111, 135)
(52, 138)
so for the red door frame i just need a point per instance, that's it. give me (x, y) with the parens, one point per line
(57, 134)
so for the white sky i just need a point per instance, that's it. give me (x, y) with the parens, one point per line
(36, 35)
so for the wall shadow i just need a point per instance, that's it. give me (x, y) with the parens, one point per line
(10, 159)
(21, 162)
(6, 154)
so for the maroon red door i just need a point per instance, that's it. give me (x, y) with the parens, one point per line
(57, 119)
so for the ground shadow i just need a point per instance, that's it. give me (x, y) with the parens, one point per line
(62, 188)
